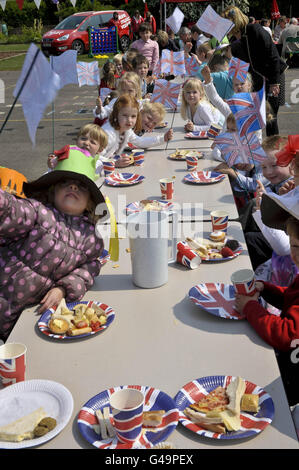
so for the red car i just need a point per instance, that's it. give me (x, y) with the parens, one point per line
(72, 32)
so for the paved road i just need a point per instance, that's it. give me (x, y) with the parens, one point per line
(73, 108)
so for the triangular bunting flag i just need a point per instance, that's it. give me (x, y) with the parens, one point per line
(3, 4)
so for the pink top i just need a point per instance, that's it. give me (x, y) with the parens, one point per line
(149, 49)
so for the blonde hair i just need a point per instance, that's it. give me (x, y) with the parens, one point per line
(235, 15)
(154, 108)
(122, 102)
(231, 120)
(191, 84)
(117, 59)
(162, 37)
(134, 79)
(274, 142)
(205, 48)
(96, 133)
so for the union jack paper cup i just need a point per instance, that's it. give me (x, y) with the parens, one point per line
(214, 131)
(167, 188)
(108, 166)
(191, 163)
(138, 158)
(219, 221)
(186, 256)
(127, 409)
(12, 363)
(244, 282)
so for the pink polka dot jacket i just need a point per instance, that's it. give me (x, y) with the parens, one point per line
(42, 248)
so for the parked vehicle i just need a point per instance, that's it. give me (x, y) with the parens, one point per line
(72, 32)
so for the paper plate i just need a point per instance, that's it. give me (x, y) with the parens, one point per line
(123, 179)
(251, 423)
(133, 207)
(204, 177)
(220, 260)
(161, 126)
(45, 317)
(196, 135)
(216, 298)
(192, 153)
(154, 400)
(23, 398)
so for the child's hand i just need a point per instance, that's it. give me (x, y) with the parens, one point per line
(51, 299)
(260, 190)
(168, 135)
(123, 161)
(259, 286)
(52, 161)
(225, 169)
(99, 105)
(286, 187)
(189, 126)
(196, 58)
(242, 300)
(206, 73)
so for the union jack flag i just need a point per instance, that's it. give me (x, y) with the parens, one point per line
(235, 149)
(88, 73)
(238, 69)
(191, 66)
(157, 69)
(166, 93)
(216, 298)
(249, 110)
(13, 370)
(173, 62)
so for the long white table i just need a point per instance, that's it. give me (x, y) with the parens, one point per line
(159, 338)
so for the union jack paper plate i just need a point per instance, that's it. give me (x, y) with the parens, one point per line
(204, 177)
(216, 298)
(251, 423)
(182, 156)
(220, 260)
(45, 317)
(160, 205)
(25, 397)
(123, 179)
(196, 135)
(154, 400)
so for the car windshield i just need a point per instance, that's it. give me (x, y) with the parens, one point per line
(72, 22)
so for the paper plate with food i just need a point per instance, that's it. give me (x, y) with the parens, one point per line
(123, 179)
(204, 177)
(149, 205)
(224, 407)
(76, 319)
(33, 412)
(217, 249)
(181, 154)
(216, 298)
(162, 125)
(160, 418)
(196, 135)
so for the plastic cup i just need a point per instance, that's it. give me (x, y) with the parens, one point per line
(12, 363)
(127, 409)
(167, 188)
(219, 221)
(244, 282)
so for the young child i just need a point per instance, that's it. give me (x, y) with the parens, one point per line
(108, 79)
(196, 108)
(141, 68)
(124, 123)
(128, 84)
(49, 247)
(152, 115)
(91, 138)
(280, 332)
(117, 60)
(146, 46)
(128, 58)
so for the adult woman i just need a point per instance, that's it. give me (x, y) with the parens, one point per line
(254, 45)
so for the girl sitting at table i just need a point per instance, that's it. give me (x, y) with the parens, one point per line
(152, 115)
(197, 109)
(49, 247)
(124, 122)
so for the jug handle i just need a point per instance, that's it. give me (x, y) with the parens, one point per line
(174, 216)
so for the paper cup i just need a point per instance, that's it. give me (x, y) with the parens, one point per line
(167, 188)
(244, 282)
(187, 257)
(138, 158)
(108, 167)
(127, 409)
(214, 131)
(191, 163)
(219, 221)
(12, 363)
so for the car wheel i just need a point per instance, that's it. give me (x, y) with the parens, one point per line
(124, 43)
(78, 46)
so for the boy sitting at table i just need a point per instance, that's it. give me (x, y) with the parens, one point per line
(280, 332)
